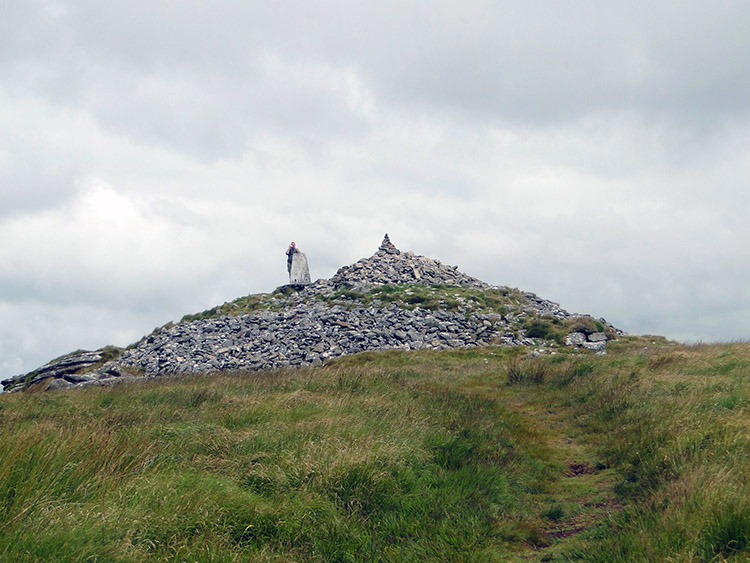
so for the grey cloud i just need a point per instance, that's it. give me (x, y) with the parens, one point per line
(29, 182)
(595, 154)
(536, 63)
(557, 61)
(190, 79)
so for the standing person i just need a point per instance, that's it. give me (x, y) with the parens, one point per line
(290, 252)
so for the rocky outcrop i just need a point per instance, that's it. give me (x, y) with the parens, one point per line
(307, 325)
(596, 341)
(72, 370)
(64, 369)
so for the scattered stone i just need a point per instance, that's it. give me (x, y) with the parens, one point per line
(390, 266)
(305, 335)
(308, 327)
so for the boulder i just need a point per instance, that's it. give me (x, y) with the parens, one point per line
(575, 339)
(596, 346)
(58, 384)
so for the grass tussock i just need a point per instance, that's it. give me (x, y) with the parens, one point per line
(641, 455)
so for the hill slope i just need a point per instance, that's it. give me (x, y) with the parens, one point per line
(438, 455)
(390, 300)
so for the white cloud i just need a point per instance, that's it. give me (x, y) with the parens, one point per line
(157, 162)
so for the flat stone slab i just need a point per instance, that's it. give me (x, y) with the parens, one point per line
(300, 272)
(575, 339)
(598, 337)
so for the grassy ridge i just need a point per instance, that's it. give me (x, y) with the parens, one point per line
(452, 455)
(433, 297)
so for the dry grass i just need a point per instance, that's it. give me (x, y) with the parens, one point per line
(639, 455)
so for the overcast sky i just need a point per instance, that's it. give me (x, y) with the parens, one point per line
(157, 157)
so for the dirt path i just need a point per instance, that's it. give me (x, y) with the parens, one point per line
(570, 507)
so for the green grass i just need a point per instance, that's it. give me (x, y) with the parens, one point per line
(464, 455)
(241, 306)
(450, 298)
(409, 296)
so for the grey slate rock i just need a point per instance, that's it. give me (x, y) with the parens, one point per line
(308, 330)
(11, 382)
(596, 346)
(390, 266)
(78, 378)
(597, 337)
(58, 384)
(575, 339)
(305, 335)
(596, 341)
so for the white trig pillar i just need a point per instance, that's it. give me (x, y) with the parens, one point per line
(300, 271)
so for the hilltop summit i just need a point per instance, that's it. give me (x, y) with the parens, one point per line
(391, 266)
(387, 246)
(390, 300)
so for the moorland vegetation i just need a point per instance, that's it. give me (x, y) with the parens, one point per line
(478, 454)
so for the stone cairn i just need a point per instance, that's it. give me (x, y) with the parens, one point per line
(391, 266)
(309, 329)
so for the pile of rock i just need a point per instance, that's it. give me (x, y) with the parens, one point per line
(391, 266)
(312, 327)
(590, 340)
(303, 335)
(306, 335)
